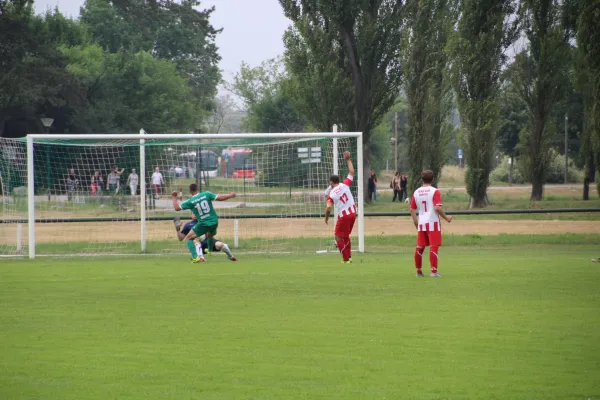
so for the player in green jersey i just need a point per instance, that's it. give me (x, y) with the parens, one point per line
(208, 221)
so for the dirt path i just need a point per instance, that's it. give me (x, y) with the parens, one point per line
(117, 232)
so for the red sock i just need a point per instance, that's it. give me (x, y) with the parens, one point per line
(418, 258)
(348, 249)
(433, 258)
(341, 243)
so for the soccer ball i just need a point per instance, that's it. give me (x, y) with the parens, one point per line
(406, 201)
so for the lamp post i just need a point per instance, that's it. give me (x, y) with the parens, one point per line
(395, 142)
(47, 122)
(566, 149)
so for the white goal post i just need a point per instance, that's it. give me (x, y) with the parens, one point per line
(285, 205)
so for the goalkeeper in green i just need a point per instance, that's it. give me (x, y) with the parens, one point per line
(200, 204)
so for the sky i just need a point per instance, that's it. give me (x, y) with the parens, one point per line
(252, 29)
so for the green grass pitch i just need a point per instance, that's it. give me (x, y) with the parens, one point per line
(518, 322)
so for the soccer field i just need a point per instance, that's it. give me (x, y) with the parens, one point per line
(512, 322)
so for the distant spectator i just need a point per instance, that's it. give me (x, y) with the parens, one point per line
(157, 181)
(133, 180)
(178, 171)
(403, 187)
(371, 185)
(72, 181)
(94, 182)
(114, 179)
(374, 186)
(395, 186)
(100, 182)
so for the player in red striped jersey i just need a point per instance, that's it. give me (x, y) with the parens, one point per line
(341, 196)
(428, 202)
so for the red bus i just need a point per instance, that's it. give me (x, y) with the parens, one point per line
(238, 163)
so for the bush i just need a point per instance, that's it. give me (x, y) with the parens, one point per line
(556, 170)
(501, 173)
(554, 174)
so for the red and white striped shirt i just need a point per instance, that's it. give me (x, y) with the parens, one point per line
(342, 198)
(425, 199)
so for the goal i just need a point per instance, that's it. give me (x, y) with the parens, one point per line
(110, 194)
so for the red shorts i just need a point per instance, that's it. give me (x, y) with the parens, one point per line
(344, 225)
(429, 238)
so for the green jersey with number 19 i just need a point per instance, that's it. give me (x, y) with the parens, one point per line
(202, 207)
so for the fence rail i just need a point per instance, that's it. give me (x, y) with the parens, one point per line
(308, 215)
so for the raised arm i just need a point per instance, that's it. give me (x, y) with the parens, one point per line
(350, 165)
(176, 205)
(223, 197)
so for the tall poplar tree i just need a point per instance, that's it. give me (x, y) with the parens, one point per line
(485, 31)
(427, 89)
(541, 75)
(356, 45)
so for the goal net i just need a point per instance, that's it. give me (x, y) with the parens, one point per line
(110, 194)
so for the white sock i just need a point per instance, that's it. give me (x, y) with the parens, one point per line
(199, 250)
(227, 251)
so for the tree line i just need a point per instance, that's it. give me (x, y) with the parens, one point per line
(509, 71)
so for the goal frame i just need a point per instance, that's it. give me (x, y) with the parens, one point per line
(142, 136)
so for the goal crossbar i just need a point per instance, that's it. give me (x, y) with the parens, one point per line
(153, 136)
